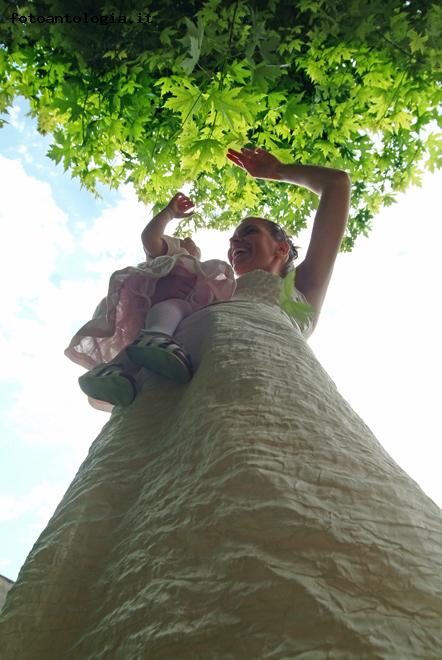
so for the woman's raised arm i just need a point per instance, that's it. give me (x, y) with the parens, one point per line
(334, 188)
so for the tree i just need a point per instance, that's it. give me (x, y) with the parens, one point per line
(156, 94)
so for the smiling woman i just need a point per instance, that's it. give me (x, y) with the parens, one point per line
(247, 514)
(260, 229)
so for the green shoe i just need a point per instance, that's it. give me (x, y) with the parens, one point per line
(109, 383)
(160, 353)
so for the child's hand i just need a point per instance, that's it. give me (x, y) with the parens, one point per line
(179, 205)
(191, 247)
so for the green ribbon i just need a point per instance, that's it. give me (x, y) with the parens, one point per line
(299, 310)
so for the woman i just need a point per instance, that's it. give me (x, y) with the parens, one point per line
(248, 514)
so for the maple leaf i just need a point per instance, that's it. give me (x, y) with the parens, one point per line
(229, 106)
(185, 100)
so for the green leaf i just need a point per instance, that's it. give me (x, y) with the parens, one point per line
(240, 72)
(266, 74)
(192, 41)
(417, 41)
(207, 151)
(295, 111)
(316, 72)
(185, 100)
(231, 108)
(298, 310)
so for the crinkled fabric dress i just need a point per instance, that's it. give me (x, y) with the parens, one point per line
(250, 514)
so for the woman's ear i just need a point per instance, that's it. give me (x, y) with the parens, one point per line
(283, 248)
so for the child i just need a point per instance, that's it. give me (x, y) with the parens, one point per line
(133, 326)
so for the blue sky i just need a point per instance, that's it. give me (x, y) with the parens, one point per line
(378, 336)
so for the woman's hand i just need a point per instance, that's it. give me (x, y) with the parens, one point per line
(180, 206)
(173, 286)
(258, 162)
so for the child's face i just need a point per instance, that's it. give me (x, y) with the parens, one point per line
(190, 246)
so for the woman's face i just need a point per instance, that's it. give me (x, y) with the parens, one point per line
(253, 247)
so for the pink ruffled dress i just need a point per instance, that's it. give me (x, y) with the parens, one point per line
(119, 318)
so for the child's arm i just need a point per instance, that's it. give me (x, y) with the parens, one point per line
(151, 237)
(152, 233)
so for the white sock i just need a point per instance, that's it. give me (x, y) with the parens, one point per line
(166, 315)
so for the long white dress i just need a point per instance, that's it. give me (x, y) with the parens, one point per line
(248, 514)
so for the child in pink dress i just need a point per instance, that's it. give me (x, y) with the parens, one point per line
(133, 326)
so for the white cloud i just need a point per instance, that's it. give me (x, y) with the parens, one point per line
(15, 118)
(40, 501)
(34, 231)
(50, 408)
(39, 318)
(115, 235)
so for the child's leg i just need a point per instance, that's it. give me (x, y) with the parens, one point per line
(113, 381)
(156, 349)
(165, 316)
(124, 361)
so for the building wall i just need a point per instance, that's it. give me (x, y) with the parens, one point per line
(5, 585)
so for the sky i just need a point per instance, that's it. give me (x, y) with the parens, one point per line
(378, 336)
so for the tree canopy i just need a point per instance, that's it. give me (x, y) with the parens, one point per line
(154, 92)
